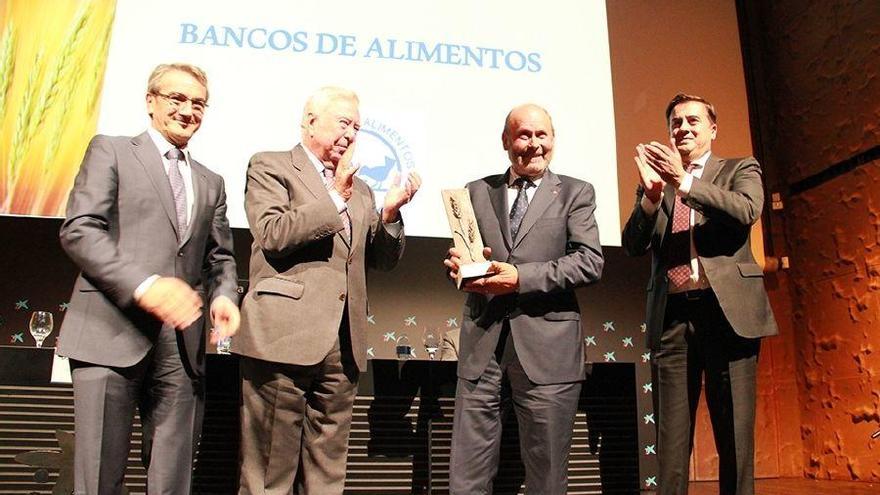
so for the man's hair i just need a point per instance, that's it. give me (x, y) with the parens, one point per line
(321, 98)
(162, 69)
(509, 119)
(684, 98)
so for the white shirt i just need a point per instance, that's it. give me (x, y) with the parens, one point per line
(697, 279)
(513, 191)
(185, 169)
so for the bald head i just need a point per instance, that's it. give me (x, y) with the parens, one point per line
(528, 139)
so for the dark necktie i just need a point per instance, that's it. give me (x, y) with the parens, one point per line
(178, 188)
(520, 205)
(343, 215)
(679, 253)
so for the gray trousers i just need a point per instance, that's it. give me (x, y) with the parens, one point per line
(545, 415)
(171, 406)
(295, 422)
(699, 345)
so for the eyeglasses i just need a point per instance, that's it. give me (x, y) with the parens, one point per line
(178, 100)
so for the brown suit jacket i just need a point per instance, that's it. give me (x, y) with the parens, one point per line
(728, 199)
(303, 271)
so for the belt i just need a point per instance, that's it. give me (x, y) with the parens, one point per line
(692, 295)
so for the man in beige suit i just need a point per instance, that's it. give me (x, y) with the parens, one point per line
(316, 230)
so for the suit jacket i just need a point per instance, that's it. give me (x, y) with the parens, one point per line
(727, 200)
(304, 273)
(557, 250)
(121, 227)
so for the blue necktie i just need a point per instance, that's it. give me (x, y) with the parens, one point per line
(520, 205)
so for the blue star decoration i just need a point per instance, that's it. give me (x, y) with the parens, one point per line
(649, 418)
(609, 356)
(650, 481)
(63, 306)
(410, 321)
(20, 305)
(370, 352)
(608, 326)
(646, 357)
(371, 319)
(451, 322)
(17, 337)
(390, 336)
(627, 342)
(590, 340)
(648, 387)
(650, 450)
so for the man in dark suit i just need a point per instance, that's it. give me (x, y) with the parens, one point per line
(521, 334)
(707, 307)
(147, 225)
(316, 230)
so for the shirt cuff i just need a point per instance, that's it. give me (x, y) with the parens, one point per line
(685, 187)
(340, 203)
(649, 207)
(144, 286)
(394, 227)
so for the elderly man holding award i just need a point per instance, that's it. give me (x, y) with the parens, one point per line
(521, 335)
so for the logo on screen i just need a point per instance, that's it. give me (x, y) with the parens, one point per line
(383, 154)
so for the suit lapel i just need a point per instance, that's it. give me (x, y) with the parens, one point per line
(147, 153)
(498, 198)
(710, 173)
(200, 191)
(315, 184)
(306, 172)
(547, 192)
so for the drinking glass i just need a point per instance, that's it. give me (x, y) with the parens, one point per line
(40, 326)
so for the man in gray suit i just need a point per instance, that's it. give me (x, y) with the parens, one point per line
(316, 230)
(147, 225)
(521, 335)
(707, 307)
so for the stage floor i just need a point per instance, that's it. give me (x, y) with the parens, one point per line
(791, 486)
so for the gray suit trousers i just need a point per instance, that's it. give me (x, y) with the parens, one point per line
(171, 406)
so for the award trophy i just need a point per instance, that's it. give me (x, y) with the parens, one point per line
(465, 235)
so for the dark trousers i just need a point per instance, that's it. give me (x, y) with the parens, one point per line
(698, 345)
(171, 406)
(545, 415)
(295, 422)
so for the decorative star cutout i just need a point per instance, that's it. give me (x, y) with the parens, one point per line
(648, 387)
(590, 340)
(63, 306)
(646, 357)
(650, 481)
(61, 460)
(451, 322)
(23, 304)
(609, 356)
(370, 352)
(390, 336)
(650, 450)
(649, 418)
(410, 321)
(627, 342)
(371, 319)
(643, 327)
(608, 326)
(17, 337)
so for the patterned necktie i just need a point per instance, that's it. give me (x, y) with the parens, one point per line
(178, 188)
(679, 243)
(520, 205)
(343, 215)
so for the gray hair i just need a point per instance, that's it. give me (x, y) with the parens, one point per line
(162, 69)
